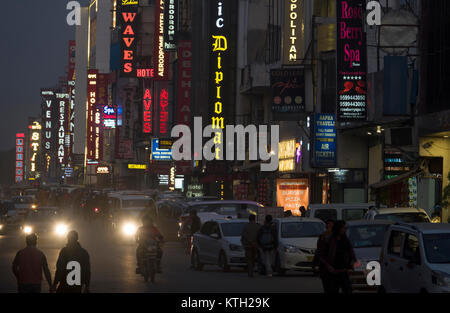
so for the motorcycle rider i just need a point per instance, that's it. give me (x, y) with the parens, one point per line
(145, 234)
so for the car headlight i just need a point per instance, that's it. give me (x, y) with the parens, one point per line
(1, 226)
(61, 229)
(291, 249)
(236, 247)
(440, 279)
(27, 229)
(179, 224)
(129, 229)
(34, 206)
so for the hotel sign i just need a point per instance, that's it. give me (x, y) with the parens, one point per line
(170, 24)
(161, 57)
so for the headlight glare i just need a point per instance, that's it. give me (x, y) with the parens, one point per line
(129, 229)
(61, 229)
(27, 230)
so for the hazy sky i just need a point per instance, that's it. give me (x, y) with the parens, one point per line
(33, 54)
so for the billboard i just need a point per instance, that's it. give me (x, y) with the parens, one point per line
(292, 194)
(170, 24)
(288, 92)
(161, 57)
(351, 54)
(184, 82)
(127, 20)
(160, 154)
(324, 149)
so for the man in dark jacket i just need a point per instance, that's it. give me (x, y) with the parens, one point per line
(337, 258)
(28, 266)
(74, 257)
(268, 243)
(249, 242)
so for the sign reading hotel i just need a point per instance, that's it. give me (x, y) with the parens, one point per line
(170, 24)
(94, 147)
(219, 47)
(292, 194)
(293, 32)
(351, 53)
(161, 59)
(128, 22)
(20, 138)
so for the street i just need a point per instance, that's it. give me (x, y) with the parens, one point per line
(113, 269)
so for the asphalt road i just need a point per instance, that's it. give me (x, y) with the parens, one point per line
(113, 269)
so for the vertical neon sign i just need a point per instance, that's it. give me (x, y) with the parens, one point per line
(19, 157)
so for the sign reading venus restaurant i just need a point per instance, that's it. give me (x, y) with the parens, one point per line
(351, 61)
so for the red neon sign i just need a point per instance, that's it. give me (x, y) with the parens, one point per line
(128, 41)
(19, 157)
(145, 73)
(163, 113)
(147, 113)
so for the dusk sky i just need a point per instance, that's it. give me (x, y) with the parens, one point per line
(34, 54)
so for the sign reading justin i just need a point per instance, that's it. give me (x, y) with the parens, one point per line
(351, 61)
(288, 87)
(127, 19)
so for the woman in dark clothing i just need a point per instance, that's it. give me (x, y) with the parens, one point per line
(338, 258)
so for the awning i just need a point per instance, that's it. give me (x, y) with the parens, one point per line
(397, 179)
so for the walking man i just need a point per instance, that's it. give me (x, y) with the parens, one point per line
(249, 242)
(73, 269)
(268, 243)
(28, 266)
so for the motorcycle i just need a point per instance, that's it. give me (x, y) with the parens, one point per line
(149, 265)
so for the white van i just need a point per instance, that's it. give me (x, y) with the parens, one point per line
(339, 211)
(416, 258)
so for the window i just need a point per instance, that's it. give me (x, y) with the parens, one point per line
(207, 228)
(412, 250)
(301, 230)
(437, 247)
(229, 209)
(326, 214)
(404, 217)
(232, 229)
(365, 236)
(353, 214)
(215, 228)
(395, 242)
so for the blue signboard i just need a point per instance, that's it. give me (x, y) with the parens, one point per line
(324, 140)
(160, 154)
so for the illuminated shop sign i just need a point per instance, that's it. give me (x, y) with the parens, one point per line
(219, 45)
(292, 194)
(34, 146)
(351, 61)
(145, 73)
(293, 32)
(287, 154)
(324, 148)
(48, 98)
(161, 59)
(172, 178)
(102, 170)
(20, 137)
(129, 2)
(163, 111)
(94, 144)
(184, 82)
(158, 153)
(127, 20)
(108, 111)
(147, 110)
(62, 100)
(137, 166)
(71, 70)
(170, 24)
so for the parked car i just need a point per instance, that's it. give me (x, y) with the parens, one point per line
(367, 239)
(416, 258)
(227, 208)
(219, 243)
(338, 211)
(297, 237)
(404, 215)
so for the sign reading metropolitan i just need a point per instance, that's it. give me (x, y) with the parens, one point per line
(293, 32)
(351, 61)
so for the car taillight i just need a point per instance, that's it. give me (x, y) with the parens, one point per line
(96, 210)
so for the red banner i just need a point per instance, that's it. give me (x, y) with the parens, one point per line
(161, 58)
(184, 82)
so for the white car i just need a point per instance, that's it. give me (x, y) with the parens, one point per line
(219, 242)
(297, 243)
(416, 258)
(401, 215)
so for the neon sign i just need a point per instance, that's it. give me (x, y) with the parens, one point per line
(145, 73)
(293, 30)
(63, 101)
(170, 24)
(128, 22)
(19, 157)
(161, 58)
(163, 111)
(93, 119)
(147, 112)
(47, 98)
(35, 143)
